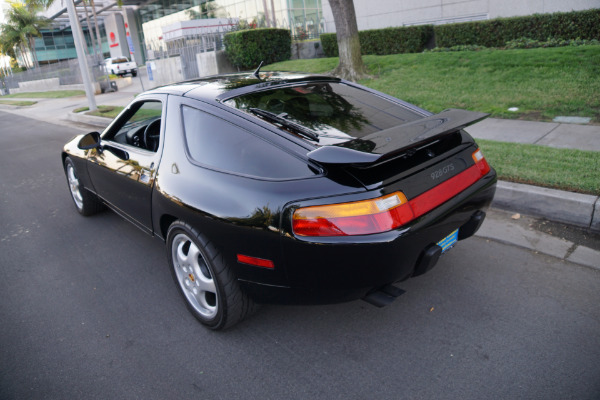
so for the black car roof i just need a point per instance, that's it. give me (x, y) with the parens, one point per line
(223, 87)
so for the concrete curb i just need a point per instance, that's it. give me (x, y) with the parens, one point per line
(502, 229)
(100, 122)
(555, 205)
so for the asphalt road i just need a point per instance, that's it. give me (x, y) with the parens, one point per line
(88, 310)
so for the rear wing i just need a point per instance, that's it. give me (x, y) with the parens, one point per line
(390, 142)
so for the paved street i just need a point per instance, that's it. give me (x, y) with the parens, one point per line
(88, 310)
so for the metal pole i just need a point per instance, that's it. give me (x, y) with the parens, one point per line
(83, 66)
(141, 82)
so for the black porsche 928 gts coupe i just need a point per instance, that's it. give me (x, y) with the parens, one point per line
(285, 188)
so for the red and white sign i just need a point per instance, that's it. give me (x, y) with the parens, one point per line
(113, 40)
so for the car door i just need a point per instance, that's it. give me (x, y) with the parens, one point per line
(123, 169)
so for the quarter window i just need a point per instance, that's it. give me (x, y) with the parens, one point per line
(216, 143)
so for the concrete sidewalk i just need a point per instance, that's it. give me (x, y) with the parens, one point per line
(552, 134)
(555, 205)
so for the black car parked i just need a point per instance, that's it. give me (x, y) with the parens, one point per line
(285, 188)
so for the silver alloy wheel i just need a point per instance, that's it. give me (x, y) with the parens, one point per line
(194, 276)
(74, 186)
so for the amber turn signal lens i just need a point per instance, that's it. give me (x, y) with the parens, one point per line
(481, 162)
(355, 218)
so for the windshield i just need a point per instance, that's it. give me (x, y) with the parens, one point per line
(334, 111)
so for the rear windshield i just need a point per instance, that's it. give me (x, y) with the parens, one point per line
(335, 111)
(120, 60)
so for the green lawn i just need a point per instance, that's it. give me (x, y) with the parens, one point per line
(18, 103)
(52, 94)
(113, 111)
(102, 111)
(565, 169)
(542, 83)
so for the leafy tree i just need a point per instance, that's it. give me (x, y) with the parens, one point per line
(10, 37)
(351, 65)
(21, 27)
(205, 10)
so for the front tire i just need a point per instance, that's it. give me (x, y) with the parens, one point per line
(207, 284)
(86, 202)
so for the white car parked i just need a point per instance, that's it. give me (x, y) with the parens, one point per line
(120, 66)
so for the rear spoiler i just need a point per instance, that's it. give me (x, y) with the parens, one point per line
(387, 143)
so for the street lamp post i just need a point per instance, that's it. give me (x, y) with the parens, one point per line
(79, 48)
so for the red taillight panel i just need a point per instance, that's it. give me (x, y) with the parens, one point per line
(384, 213)
(446, 190)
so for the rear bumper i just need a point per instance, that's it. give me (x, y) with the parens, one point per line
(347, 268)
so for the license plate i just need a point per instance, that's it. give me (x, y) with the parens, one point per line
(449, 241)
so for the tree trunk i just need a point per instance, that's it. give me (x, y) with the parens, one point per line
(351, 66)
(25, 56)
(98, 37)
(31, 47)
(90, 31)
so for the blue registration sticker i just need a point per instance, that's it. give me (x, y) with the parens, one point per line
(449, 241)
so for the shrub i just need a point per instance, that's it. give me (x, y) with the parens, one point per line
(497, 32)
(410, 39)
(329, 43)
(246, 49)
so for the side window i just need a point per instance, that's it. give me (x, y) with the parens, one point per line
(218, 144)
(140, 127)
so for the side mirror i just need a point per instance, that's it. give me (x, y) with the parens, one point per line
(89, 141)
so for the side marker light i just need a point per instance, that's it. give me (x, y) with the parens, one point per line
(257, 262)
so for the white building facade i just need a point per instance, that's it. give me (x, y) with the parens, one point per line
(376, 14)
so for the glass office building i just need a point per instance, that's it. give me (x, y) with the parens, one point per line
(58, 44)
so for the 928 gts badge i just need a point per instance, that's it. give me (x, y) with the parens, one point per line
(442, 171)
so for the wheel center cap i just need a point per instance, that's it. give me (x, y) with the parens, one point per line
(191, 276)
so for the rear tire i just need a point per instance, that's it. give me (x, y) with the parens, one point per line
(207, 284)
(86, 202)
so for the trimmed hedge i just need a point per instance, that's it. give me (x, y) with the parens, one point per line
(329, 44)
(496, 32)
(583, 25)
(409, 39)
(246, 49)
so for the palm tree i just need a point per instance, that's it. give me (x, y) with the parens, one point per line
(22, 26)
(10, 38)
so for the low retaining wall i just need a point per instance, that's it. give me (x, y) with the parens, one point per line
(45, 85)
(213, 63)
(165, 71)
(41, 85)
